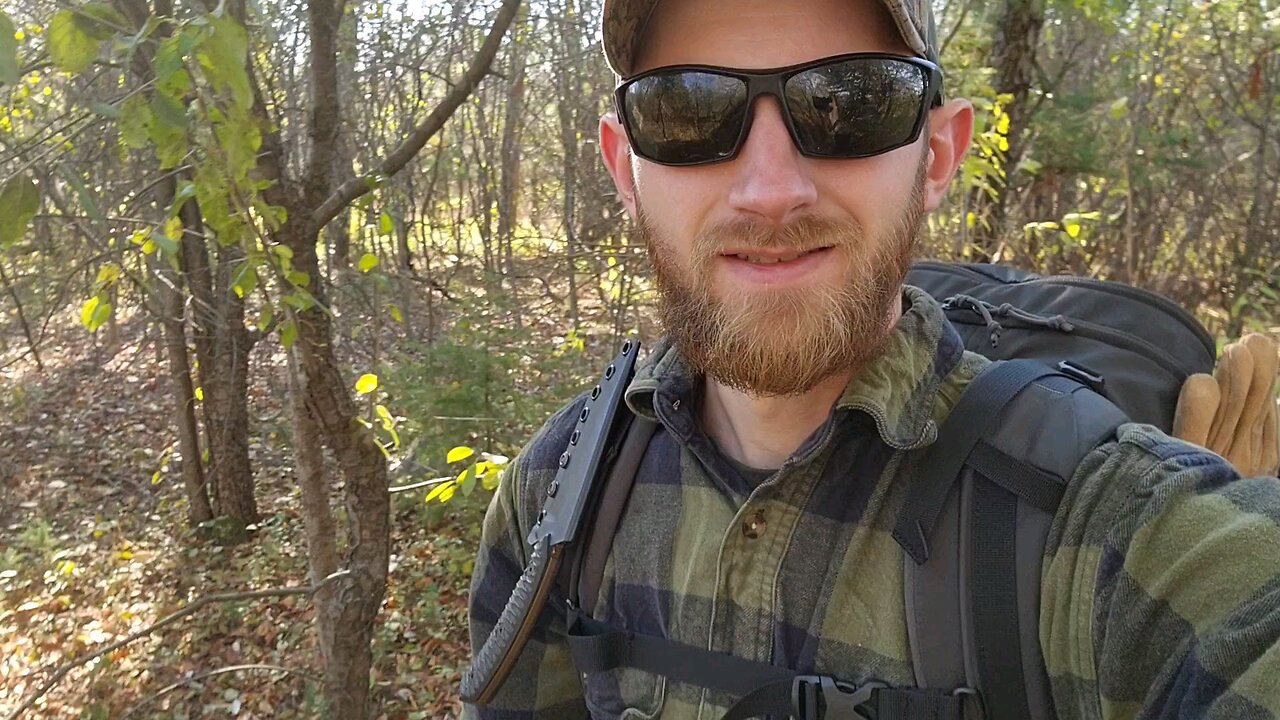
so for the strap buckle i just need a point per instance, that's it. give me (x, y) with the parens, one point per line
(822, 697)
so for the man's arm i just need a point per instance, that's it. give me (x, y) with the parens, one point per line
(543, 683)
(1162, 586)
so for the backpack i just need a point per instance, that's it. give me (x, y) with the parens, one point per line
(1075, 358)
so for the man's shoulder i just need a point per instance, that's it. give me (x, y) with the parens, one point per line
(1152, 448)
(1141, 463)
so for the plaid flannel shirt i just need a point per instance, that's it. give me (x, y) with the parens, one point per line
(1161, 581)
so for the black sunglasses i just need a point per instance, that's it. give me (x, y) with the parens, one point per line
(847, 106)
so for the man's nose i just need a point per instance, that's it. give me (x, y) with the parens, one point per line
(773, 181)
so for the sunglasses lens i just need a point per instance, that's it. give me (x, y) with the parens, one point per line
(685, 117)
(857, 107)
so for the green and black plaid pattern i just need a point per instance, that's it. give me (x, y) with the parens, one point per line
(1161, 592)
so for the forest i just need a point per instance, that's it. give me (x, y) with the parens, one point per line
(284, 284)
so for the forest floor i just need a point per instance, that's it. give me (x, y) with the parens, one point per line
(94, 547)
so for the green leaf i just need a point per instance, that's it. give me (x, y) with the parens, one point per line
(264, 320)
(462, 452)
(1120, 108)
(101, 21)
(167, 245)
(298, 278)
(71, 46)
(368, 262)
(19, 203)
(467, 480)
(288, 333)
(170, 56)
(367, 384)
(169, 112)
(82, 191)
(94, 313)
(386, 225)
(135, 117)
(223, 56)
(246, 279)
(9, 68)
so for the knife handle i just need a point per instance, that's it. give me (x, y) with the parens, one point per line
(495, 659)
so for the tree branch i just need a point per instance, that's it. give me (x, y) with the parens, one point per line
(354, 187)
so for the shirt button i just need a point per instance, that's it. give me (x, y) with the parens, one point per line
(754, 526)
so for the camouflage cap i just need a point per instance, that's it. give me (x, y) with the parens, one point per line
(624, 21)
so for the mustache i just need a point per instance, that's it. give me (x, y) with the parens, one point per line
(805, 233)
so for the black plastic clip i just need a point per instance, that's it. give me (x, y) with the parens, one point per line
(1078, 372)
(822, 697)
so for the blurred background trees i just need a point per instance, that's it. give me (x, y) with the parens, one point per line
(275, 257)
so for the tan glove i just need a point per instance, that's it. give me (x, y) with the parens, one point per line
(1234, 412)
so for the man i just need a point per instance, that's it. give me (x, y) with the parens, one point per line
(799, 372)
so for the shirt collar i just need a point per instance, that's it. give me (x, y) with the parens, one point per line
(899, 390)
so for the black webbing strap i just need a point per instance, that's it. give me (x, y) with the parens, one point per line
(597, 647)
(994, 599)
(968, 423)
(762, 689)
(1042, 489)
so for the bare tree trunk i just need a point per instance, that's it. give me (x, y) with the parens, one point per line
(183, 393)
(1013, 54)
(228, 400)
(508, 210)
(346, 612)
(565, 81)
(345, 616)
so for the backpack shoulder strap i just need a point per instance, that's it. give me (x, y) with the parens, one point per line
(975, 525)
(596, 544)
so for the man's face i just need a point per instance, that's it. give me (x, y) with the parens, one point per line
(714, 232)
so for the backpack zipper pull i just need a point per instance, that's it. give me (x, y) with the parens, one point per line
(1055, 322)
(978, 307)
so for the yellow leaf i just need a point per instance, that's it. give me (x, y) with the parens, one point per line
(125, 554)
(68, 567)
(86, 312)
(200, 394)
(173, 229)
(367, 383)
(461, 452)
(438, 490)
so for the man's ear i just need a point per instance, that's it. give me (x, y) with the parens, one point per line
(950, 134)
(617, 158)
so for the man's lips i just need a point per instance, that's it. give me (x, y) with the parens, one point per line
(769, 255)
